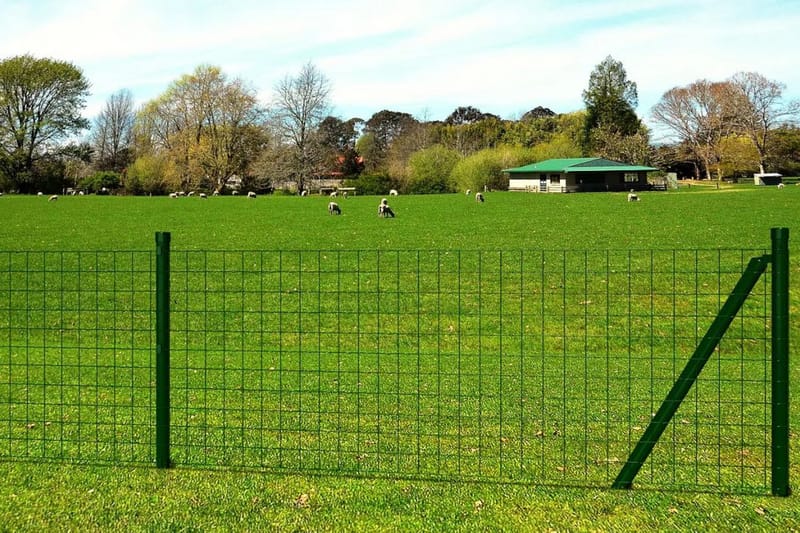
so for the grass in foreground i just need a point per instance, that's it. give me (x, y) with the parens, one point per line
(57, 496)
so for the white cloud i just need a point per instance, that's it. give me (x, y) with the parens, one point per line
(504, 57)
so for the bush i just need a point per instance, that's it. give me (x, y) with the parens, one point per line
(145, 176)
(429, 170)
(372, 184)
(485, 168)
(100, 182)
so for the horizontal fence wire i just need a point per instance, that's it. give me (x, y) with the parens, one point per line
(76, 356)
(522, 366)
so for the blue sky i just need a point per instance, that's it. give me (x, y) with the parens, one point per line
(423, 57)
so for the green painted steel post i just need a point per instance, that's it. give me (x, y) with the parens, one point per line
(162, 350)
(755, 268)
(780, 362)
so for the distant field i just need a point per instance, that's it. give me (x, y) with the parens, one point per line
(48, 496)
(707, 219)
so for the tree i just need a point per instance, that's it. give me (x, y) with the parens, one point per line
(112, 134)
(383, 128)
(699, 115)
(760, 110)
(300, 105)
(209, 127)
(784, 150)
(610, 99)
(538, 112)
(40, 105)
(467, 115)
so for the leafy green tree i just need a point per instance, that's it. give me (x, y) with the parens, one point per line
(429, 170)
(384, 128)
(209, 127)
(784, 150)
(611, 99)
(40, 106)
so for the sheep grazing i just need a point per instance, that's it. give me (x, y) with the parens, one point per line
(234, 193)
(393, 192)
(304, 193)
(781, 185)
(632, 196)
(384, 210)
(251, 194)
(469, 191)
(53, 198)
(334, 209)
(173, 195)
(203, 195)
(215, 193)
(190, 193)
(333, 194)
(479, 197)
(40, 193)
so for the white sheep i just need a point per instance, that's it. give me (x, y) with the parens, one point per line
(334, 209)
(203, 195)
(215, 193)
(53, 198)
(190, 193)
(80, 193)
(479, 197)
(251, 194)
(469, 191)
(173, 195)
(40, 193)
(333, 194)
(781, 185)
(304, 193)
(632, 196)
(234, 193)
(393, 192)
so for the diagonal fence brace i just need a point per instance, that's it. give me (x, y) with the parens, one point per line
(755, 268)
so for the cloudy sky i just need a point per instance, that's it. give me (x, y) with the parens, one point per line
(424, 57)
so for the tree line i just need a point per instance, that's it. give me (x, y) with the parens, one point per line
(210, 132)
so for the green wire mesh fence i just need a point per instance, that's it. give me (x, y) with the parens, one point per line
(76, 358)
(523, 366)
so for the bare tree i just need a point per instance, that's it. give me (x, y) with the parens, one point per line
(761, 109)
(300, 104)
(700, 115)
(112, 132)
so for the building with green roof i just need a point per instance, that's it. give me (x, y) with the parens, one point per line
(581, 174)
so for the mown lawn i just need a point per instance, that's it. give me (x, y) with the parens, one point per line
(55, 496)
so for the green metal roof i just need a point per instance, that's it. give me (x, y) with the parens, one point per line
(578, 164)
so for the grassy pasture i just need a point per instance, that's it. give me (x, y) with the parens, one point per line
(457, 227)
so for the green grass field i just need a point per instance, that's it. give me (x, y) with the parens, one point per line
(51, 495)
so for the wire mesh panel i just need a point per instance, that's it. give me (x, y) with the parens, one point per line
(540, 366)
(76, 356)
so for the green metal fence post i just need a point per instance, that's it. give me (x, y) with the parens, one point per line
(780, 362)
(162, 350)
